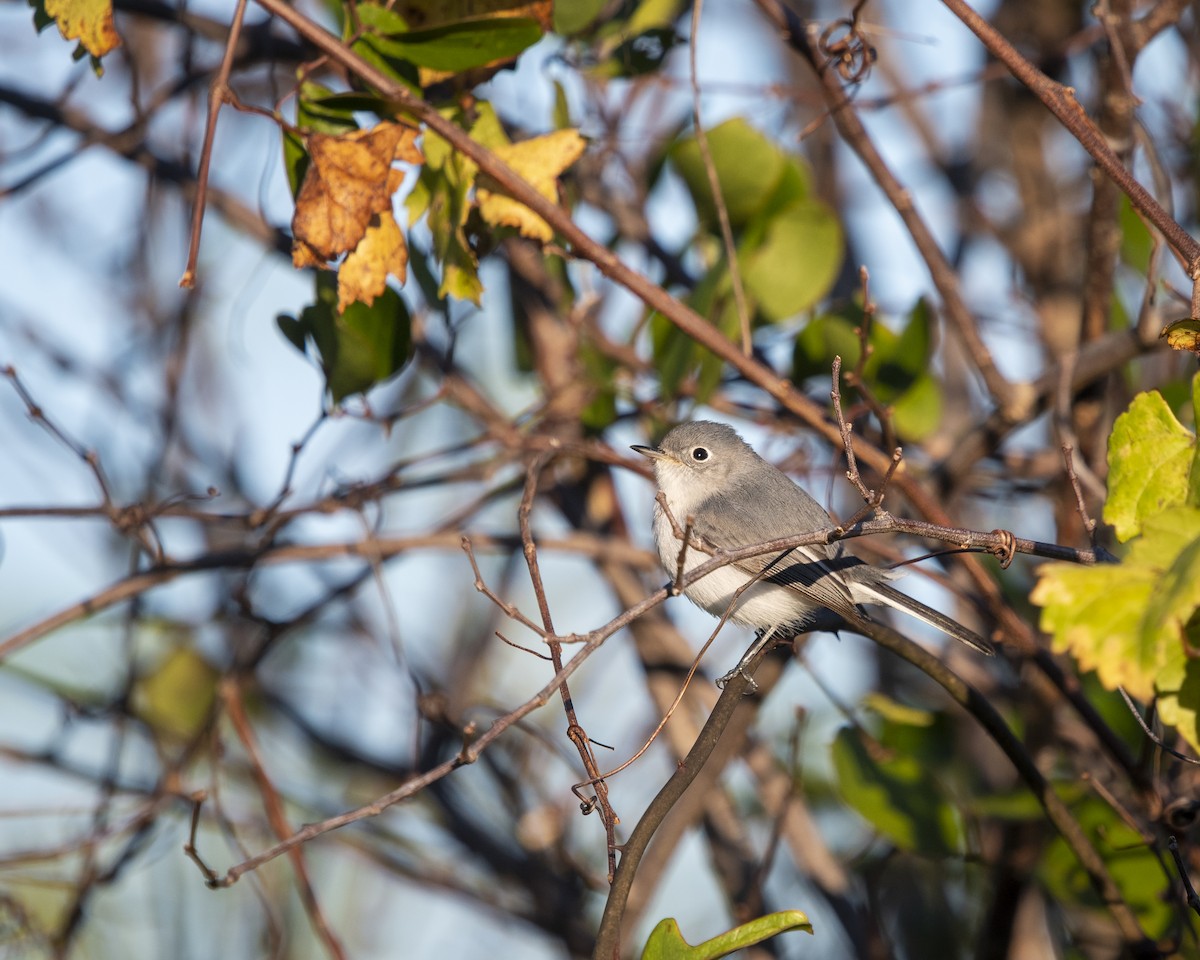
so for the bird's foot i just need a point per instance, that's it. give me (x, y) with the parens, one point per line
(739, 670)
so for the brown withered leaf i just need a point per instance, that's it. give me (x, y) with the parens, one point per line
(382, 251)
(349, 180)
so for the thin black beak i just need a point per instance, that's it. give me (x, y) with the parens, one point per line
(651, 453)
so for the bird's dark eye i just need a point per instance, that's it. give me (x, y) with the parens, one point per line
(699, 453)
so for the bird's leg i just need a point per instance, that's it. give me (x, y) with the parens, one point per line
(761, 640)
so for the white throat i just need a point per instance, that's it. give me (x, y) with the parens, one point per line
(681, 487)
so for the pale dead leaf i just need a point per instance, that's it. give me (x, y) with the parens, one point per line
(382, 251)
(539, 161)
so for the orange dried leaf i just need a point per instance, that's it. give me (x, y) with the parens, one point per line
(382, 251)
(539, 161)
(88, 21)
(407, 150)
(305, 256)
(349, 180)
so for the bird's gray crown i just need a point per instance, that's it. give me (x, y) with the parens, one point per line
(703, 442)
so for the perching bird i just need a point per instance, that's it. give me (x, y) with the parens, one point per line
(736, 499)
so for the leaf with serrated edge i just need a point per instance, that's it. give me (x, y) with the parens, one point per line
(1125, 620)
(1149, 458)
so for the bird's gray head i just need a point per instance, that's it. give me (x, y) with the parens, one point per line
(696, 460)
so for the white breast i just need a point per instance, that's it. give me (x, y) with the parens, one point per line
(763, 606)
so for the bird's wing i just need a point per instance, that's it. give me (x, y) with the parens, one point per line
(813, 570)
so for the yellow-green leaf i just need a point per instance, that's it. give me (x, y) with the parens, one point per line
(1126, 621)
(1182, 334)
(1150, 456)
(666, 940)
(749, 167)
(797, 261)
(175, 698)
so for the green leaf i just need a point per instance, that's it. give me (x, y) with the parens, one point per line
(654, 13)
(453, 47)
(487, 128)
(1178, 688)
(402, 71)
(357, 349)
(448, 178)
(1134, 867)
(176, 697)
(1136, 241)
(917, 412)
(419, 197)
(562, 108)
(1150, 462)
(897, 361)
(378, 19)
(601, 409)
(674, 353)
(677, 356)
(666, 941)
(317, 111)
(820, 340)
(1176, 597)
(575, 16)
(320, 110)
(896, 712)
(41, 19)
(895, 794)
(897, 371)
(1019, 806)
(797, 261)
(749, 169)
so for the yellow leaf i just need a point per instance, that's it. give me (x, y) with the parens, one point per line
(539, 161)
(349, 180)
(1182, 334)
(88, 21)
(176, 697)
(382, 251)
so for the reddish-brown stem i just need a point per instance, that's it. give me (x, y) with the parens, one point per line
(217, 98)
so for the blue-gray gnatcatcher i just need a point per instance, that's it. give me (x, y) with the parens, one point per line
(736, 499)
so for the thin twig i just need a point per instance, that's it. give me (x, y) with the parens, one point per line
(575, 731)
(1189, 890)
(1154, 738)
(714, 185)
(231, 698)
(217, 97)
